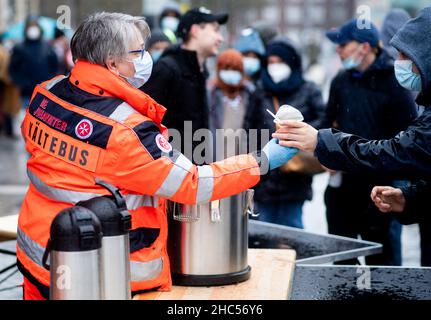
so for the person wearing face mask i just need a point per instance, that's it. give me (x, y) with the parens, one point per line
(169, 20)
(233, 105)
(365, 99)
(96, 123)
(404, 156)
(372, 101)
(281, 195)
(157, 44)
(9, 95)
(253, 50)
(180, 77)
(32, 61)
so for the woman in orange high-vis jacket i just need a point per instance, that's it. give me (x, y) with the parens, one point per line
(96, 124)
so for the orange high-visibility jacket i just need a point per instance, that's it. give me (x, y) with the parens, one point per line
(95, 125)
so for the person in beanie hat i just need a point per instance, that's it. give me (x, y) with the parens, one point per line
(169, 20)
(157, 44)
(253, 50)
(179, 78)
(281, 195)
(233, 103)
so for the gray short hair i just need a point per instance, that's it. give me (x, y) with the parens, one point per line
(103, 35)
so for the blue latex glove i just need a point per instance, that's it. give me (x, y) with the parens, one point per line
(278, 155)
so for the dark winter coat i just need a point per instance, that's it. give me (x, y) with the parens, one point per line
(371, 104)
(32, 62)
(417, 203)
(307, 98)
(178, 83)
(408, 154)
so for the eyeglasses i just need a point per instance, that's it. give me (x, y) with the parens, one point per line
(142, 52)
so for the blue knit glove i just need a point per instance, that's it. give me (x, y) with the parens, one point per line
(278, 155)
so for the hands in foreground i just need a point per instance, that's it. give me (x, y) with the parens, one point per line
(388, 199)
(296, 134)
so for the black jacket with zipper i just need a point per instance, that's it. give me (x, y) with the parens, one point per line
(178, 83)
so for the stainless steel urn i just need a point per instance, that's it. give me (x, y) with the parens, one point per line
(208, 242)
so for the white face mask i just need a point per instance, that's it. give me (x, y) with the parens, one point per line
(405, 75)
(230, 77)
(156, 54)
(251, 65)
(143, 69)
(352, 62)
(279, 71)
(33, 33)
(170, 23)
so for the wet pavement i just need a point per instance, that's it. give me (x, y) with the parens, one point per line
(13, 178)
(353, 283)
(10, 277)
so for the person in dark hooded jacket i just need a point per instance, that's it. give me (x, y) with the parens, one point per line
(405, 156)
(32, 61)
(365, 99)
(393, 21)
(281, 194)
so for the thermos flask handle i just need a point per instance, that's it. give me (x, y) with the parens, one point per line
(115, 193)
(46, 255)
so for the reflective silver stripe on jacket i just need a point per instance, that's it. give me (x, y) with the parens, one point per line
(133, 202)
(145, 271)
(205, 184)
(176, 176)
(122, 112)
(59, 194)
(51, 84)
(32, 249)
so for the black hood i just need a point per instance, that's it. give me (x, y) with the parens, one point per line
(285, 49)
(32, 21)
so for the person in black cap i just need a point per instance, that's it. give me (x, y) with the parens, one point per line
(365, 99)
(178, 81)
